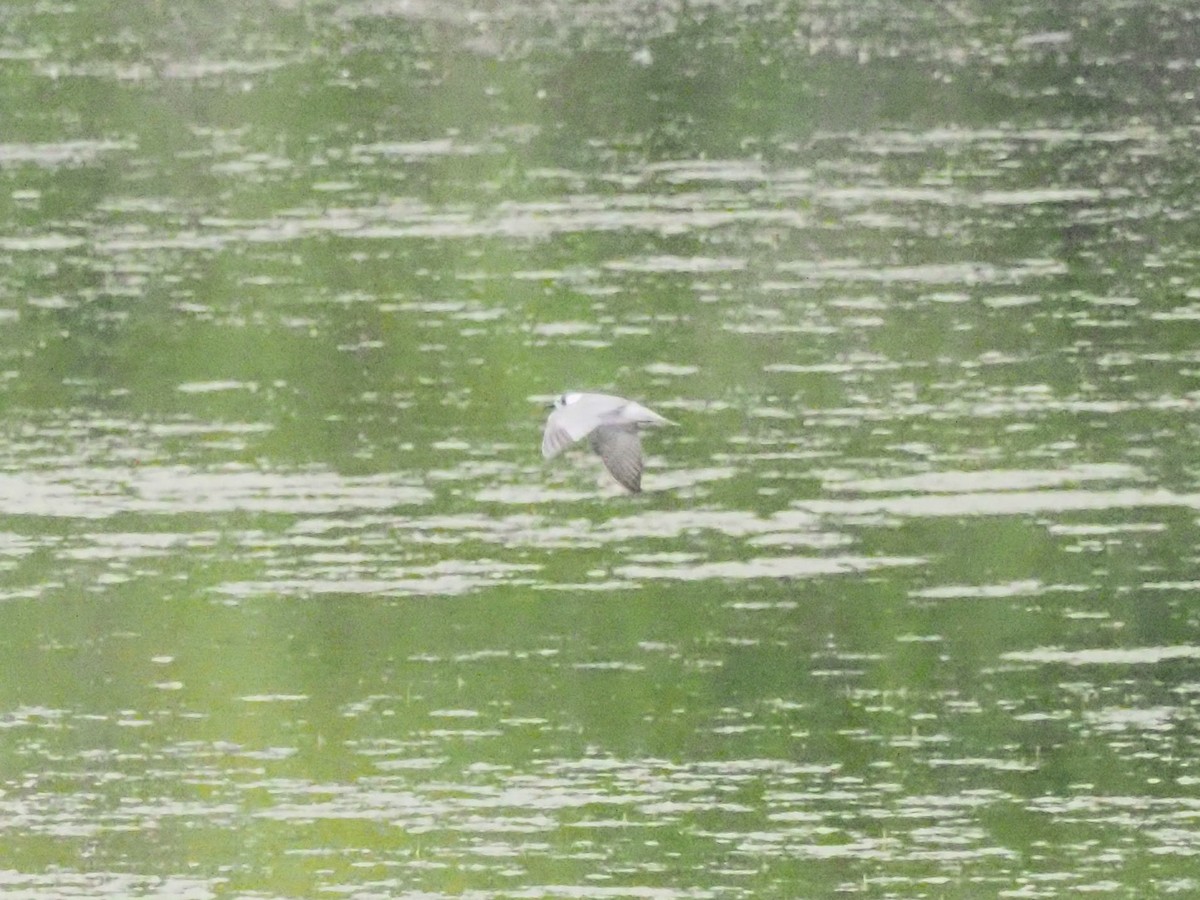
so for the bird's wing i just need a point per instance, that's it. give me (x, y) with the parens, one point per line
(621, 449)
(556, 437)
(568, 424)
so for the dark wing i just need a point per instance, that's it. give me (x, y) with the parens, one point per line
(621, 449)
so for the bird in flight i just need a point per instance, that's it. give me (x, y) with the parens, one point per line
(610, 424)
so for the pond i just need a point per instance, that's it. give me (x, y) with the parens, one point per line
(291, 603)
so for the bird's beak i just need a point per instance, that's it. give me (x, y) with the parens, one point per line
(549, 406)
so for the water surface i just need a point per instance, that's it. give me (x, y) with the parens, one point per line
(293, 607)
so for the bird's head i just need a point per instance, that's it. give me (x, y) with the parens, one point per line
(566, 399)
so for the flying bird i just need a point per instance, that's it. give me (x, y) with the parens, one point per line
(611, 425)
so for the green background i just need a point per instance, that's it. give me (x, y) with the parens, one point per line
(290, 605)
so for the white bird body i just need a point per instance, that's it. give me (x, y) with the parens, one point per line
(611, 423)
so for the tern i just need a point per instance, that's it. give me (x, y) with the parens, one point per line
(611, 425)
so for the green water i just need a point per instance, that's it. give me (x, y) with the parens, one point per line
(291, 605)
